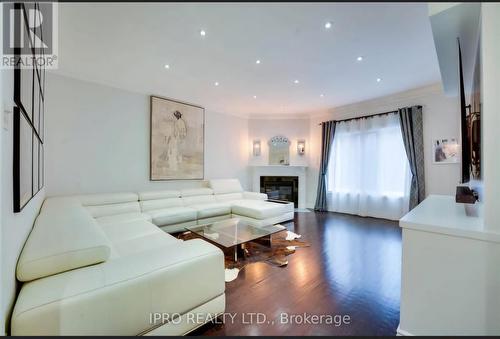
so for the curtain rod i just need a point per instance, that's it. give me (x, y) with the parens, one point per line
(365, 116)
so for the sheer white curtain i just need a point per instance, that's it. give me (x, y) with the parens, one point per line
(369, 173)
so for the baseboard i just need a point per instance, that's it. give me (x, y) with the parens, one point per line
(403, 333)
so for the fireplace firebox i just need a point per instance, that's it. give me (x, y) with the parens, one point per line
(283, 188)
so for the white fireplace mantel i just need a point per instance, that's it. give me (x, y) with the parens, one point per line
(281, 170)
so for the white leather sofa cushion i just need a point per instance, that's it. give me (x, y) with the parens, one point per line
(255, 196)
(118, 296)
(107, 198)
(199, 199)
(222, 186)
(266, 222)
(212, 210)
(229, 197)
(143, 243)
(120, 218)
(159, 195)
(173, 215)
(197, 196)
(259, 209)
(129, 230)
(61, 240)
(196, 191)
(114, 209)
(150, 205)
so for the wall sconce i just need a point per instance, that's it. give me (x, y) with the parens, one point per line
(301, 147)
(256, 148)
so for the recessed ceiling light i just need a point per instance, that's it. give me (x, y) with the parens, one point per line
(167, 66)
(328, 25)
(202, 32)
(257, 61)
(216, 83)
(321, 95)
(360, 58)
(379, 80)
(255, 97)
(296, 81)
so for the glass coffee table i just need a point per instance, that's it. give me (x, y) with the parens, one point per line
(235, 233)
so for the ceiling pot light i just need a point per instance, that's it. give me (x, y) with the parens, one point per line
(296, 81)
(257, 62)
(255, 97)
(379, 80)
(321, 95)
(328, 25)
(360, 58)
(216, 83)
(167, 66)
(202, 32)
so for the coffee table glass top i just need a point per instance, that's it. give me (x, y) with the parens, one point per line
(232, 232)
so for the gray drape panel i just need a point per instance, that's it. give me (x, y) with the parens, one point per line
(327, 133)
(410, 119)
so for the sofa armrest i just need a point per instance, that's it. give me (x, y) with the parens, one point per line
(119, 295)
(254, 196)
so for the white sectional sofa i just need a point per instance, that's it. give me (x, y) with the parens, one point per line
(105, 263)
(173, 210)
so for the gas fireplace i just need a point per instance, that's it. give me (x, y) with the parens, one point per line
(283, 188)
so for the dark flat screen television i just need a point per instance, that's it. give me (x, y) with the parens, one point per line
(470, 120)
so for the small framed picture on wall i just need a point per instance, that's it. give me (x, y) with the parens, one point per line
(445, 151)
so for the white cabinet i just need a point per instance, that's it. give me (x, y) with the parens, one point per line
(450, 281)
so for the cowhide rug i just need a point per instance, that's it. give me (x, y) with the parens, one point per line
(283, 244)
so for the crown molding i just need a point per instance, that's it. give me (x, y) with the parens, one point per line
(381, 104)
(279, 117)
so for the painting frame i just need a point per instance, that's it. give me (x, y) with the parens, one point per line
(154, 176)
(28, 121)
(447, 156)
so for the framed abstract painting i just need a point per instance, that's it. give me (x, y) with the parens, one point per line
(29, 109)
(446, 151)
(176, 140)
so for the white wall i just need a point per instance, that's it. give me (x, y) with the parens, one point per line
(15, 227)
(441, 120)
(490, 87)
(226, 148)
(265, 129)
(98, 141)
(2, 112)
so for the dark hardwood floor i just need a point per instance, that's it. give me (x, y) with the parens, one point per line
(353, 268)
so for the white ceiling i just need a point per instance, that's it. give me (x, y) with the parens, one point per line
(127, 45)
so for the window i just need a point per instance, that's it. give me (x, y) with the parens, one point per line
(369, 168)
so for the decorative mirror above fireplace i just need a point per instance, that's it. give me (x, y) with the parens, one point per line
(279, 150)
